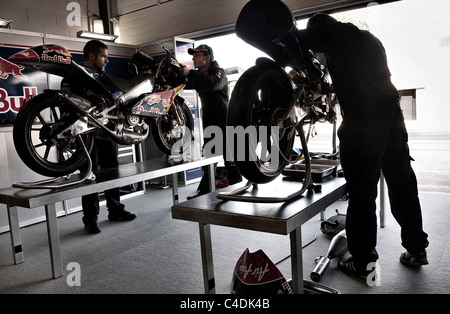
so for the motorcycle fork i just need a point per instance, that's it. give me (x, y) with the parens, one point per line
(177, 113)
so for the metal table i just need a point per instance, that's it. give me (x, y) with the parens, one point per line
(107, 179)
(278, 218)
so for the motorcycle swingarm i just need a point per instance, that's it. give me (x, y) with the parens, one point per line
(78, 128)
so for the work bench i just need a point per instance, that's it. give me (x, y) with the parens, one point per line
(284, 218)
(107, 179)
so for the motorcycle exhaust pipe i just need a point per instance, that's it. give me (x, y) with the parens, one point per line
(125, 137)
(337, 248)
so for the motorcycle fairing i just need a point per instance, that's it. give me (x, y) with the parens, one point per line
(58, 61)
(136, 88)
(46, 58)
(154, 105)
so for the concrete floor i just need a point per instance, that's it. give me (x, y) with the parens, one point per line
(156, 254)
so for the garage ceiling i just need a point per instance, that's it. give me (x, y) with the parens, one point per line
(144, 21)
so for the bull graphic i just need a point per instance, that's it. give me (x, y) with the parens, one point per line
(58, 49)
(8, 68)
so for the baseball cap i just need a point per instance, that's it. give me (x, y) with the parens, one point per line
(202, 48)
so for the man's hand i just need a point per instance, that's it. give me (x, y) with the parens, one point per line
(184, 71)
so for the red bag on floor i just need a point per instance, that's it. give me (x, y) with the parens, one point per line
(256, 274)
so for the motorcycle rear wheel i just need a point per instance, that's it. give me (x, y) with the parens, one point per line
(36, 142)
(165, 135)
(262, 97)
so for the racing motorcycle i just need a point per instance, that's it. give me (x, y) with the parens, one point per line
(284, 93)
(54, 131)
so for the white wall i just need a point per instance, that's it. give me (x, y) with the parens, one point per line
(45, 16)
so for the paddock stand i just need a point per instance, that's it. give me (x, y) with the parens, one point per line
(307, 182)
(47, 183)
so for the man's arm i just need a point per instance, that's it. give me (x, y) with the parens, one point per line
(206, 82)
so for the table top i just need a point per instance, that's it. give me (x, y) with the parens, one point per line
(279, 218)
(105, 179)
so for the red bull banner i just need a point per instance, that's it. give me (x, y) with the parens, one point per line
(17, 84)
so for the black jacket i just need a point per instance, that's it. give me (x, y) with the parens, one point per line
(358, 67)
(212, 88)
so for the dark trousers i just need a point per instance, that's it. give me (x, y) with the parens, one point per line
(104, 155)
(233, 173)
(367, 148)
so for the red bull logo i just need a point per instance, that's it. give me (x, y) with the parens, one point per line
(153, 99)
(156, 104)
(56, 54)
(8, 68)
(56, 49)
(56, 58)
(14, 103)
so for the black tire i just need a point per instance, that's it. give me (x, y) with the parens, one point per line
(263, 96)
(162, 131)
(35, 137)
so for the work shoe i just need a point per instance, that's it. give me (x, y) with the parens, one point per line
(349, 267)
(121, 215)
(92, 228)
(409, 259)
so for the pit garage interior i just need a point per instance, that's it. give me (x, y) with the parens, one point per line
(157, 254)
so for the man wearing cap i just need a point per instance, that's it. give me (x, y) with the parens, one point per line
(211, 84)
(373, 138)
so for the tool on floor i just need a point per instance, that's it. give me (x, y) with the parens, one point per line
(337, 248)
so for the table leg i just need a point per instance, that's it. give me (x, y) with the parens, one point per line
(297, 261)
(211, 177)
(53, 240)
(16, 237)
(175, 188)
(382, 207)
(207, 258)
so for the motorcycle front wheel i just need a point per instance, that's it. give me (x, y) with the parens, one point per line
(166, 132)
(35, 135)
(261, 102)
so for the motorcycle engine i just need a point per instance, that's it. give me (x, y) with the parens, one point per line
(133, 119)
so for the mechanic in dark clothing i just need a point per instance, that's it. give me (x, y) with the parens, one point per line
(373, 137)
(105, 152)
(211, 83)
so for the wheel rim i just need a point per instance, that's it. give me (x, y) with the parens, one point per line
(170, 134)
(268, 110)
(46, 124)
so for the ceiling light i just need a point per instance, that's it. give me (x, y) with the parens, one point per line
(4, 22)
(90, 35)
(98, 26)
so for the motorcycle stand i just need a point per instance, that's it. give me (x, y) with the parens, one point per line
(235, 195)
(307, 183)
(44, 184)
